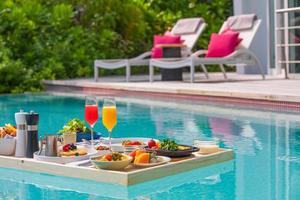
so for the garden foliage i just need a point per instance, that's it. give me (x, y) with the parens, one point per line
(59, 39)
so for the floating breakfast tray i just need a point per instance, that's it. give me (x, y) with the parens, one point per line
(128, 176)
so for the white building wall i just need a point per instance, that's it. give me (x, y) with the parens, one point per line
(261, 43)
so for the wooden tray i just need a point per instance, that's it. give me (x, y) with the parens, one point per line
(128, 176)
(138, 191)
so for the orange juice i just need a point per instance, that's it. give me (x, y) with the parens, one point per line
(109, 117)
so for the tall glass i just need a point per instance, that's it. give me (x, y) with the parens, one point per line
(109, 116)
(91, 113)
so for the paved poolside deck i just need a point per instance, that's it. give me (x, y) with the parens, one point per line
(251, 87)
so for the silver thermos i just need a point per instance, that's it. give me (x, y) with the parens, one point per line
(20, 118)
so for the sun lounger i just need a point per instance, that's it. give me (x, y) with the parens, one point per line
(190, 38)
(242, 55)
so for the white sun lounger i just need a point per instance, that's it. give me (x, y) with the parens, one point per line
(143, 59)
(242, 55)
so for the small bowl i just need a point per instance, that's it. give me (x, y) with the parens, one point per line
(111, 165)
(117, 148)
(7, 146)
(207, 146)
(87, 136)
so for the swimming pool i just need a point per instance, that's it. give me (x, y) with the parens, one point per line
(266, 144)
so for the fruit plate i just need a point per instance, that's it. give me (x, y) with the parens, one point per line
(118, 147)
(160, 160)
(64, 160)
(177, 153)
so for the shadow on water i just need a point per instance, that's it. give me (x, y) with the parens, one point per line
(27, 185)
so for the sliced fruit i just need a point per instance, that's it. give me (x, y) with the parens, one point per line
(66, 148)
(126, 142)
(158, 144)
(131, 143)
(133, 154)
(102, 148)
(136, 143)
(108, 157)
(142, 158)
(151, 143)
(140, 151)
(103, 159)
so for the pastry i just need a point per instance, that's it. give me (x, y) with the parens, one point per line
(72, 150)
(8, 129)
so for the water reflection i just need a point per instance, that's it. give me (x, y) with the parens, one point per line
(266, 144)
(267, 147)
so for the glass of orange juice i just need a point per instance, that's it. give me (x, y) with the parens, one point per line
(109, 116)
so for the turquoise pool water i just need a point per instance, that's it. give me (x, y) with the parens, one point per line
(266, 145)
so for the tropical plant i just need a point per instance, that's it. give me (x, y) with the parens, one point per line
(59, 39)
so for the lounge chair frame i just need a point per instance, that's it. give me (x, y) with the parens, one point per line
(111, 64)
(143, 59)
(242, 55)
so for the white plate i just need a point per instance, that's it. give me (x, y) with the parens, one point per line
(120, 140)
(131, 148)
(120, 148)
(161, 160)
(116, 143)
(63, 160)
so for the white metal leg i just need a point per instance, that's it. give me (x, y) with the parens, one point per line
(259, 65)
(223, 70)
(260, 69)
(204, 70)
(192, 72)
(151, 73)
(96, 73)
(128, 72)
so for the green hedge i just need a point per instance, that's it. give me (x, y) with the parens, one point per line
(59, 39)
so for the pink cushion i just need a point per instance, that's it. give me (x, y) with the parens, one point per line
(222, 45)
(156, 52)
(166, 39)
(227, 30)
(163, 39)
(168, 33)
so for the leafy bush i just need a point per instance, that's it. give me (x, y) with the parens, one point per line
(59, 39)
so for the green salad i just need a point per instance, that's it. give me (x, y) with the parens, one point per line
(168, 144)
(75, 125)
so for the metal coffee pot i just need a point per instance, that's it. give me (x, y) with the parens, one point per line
(51, 145)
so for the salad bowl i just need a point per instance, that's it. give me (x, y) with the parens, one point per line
(82, 132)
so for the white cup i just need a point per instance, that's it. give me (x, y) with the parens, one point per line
(207, 146)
